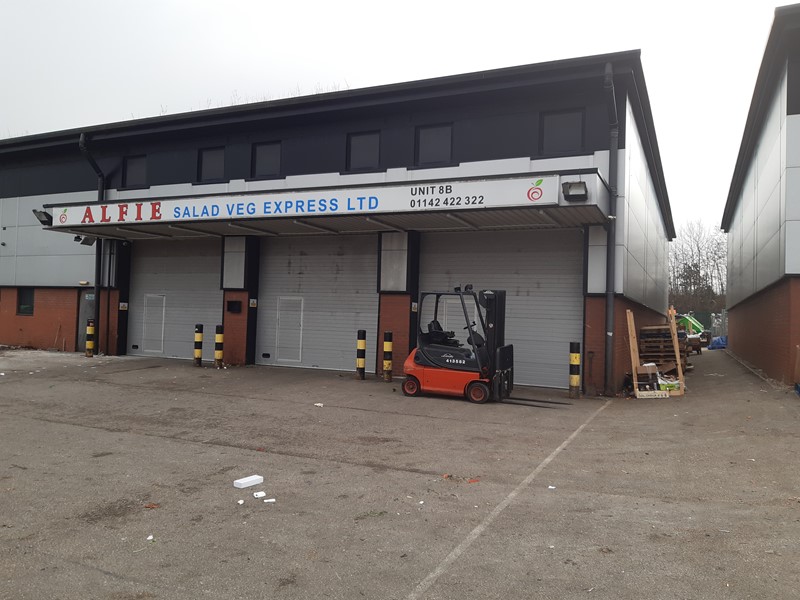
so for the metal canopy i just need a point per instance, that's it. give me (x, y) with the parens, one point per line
(466, 220)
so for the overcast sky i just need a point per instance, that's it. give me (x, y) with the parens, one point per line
(70, 64)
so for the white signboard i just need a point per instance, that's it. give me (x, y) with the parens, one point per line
(417, 197)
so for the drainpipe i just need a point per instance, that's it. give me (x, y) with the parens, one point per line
(611, 226)
(98, 256)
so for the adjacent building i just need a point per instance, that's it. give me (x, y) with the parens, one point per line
(762, 214)
(296, 222)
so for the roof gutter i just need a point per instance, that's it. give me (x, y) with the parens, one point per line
(98, 251)
(611, 226)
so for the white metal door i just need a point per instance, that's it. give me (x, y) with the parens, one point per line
(542, 273)
(174, 286)
(315, 294)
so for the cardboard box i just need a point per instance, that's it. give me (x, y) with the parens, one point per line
(650, 369)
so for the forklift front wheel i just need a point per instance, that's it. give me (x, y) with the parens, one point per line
(411, 386)
(477, 392)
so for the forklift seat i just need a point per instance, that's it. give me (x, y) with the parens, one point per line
(434, 326)
(437, 335)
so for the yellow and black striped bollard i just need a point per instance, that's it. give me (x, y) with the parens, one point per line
(198, 345)
(219, 340)
(387, 356)
(361, 353)
(90, 338)
(574, 370)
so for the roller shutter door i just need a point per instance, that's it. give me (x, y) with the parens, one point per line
(174, 285)
(542, 273)
(315, 294)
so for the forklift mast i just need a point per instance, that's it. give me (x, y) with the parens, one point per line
(494, 304)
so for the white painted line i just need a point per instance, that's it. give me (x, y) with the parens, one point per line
(426, 583)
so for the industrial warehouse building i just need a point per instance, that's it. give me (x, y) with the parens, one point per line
(762, 214)
(297, 222)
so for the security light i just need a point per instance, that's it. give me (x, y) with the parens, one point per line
(574, 191)
(43, 217)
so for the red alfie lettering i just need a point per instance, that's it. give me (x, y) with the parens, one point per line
(121, 215)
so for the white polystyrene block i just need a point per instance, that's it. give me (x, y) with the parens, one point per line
(248, 481)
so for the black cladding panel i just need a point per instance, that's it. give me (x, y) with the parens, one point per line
(793, 84)
(469, 127)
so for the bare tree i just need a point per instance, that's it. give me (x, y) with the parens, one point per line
(698, 269)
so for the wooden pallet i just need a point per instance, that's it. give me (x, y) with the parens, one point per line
(656, 344)
(676, 356)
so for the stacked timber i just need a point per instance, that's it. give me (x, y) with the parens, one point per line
(656, 346)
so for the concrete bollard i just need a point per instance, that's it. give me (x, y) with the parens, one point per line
(361, 353)
(574, 370)
(198, 345)
(387, 356)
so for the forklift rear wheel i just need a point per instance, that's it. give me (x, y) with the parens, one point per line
(477, 392)
(411, 386)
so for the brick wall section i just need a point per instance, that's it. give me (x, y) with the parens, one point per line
(594, 342)
(594, 339)
(108, 332)
(235, 327)
(395, 310)
(764, 330)
(53, 324)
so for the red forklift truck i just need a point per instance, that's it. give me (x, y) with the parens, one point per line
(476, 363)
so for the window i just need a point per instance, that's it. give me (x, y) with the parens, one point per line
(434, 145)
(363, 151)
(25, 301)
(134, 171)
(562, 132)
(211, 164)
(266, 160)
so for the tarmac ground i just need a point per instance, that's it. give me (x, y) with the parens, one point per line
(381, 496)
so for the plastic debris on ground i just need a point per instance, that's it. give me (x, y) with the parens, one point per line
(150, 538)
(259, 494)
(668, 383)
(248, 481)
(551, 487)
(240, 502)
(269, 500)
(719, 343)
(319, 404)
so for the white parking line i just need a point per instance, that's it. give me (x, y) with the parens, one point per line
(426, 583)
